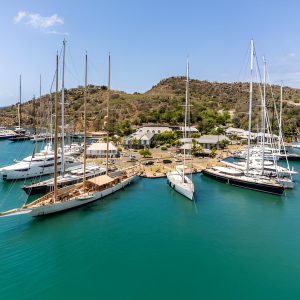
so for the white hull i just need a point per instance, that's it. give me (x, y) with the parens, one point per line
(62, 206)
(267, 167)
(34, 171)
(184, 188)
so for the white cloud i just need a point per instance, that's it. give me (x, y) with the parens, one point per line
(57, 32)
(20, 16)
(37, 21)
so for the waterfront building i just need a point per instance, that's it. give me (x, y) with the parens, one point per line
(143, 137)
(99, 150)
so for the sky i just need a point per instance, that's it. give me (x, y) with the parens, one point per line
(148, 41)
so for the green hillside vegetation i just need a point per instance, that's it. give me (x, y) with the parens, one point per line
(212, 104)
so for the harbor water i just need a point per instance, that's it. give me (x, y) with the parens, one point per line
(148, 242)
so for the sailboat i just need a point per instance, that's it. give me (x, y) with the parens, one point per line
(245, 178)
(6, 134)
(39, 163)
(177, 179)
(20, 133)
(38, 137)
(83, 193)
(259, 162)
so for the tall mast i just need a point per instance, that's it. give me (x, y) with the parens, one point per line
(84, 125)
(34, 105)
(63, 111)
(280, 116)
(36, 122)
(56, 132)
(250, 104)
(185, 113)
(264, 115)
(20, 100)
(107, 114)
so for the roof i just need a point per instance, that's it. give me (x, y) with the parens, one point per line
(234, 130)
(146, 136)
(140, 135)
(147, 132)
(186, 140)
(212, 139)
(101, 147)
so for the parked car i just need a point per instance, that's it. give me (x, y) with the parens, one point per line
(148, 163)
(167, 161)
(132, 158)
(110, 162)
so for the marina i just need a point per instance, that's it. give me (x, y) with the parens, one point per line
(217, 218)
(149, 151)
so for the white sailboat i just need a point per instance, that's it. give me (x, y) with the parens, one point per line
(244, 176)
(80, 194)
(20, 133)
(177, 179)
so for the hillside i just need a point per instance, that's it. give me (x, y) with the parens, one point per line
(212, 104)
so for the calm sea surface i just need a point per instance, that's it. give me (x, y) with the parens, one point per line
(148, 242)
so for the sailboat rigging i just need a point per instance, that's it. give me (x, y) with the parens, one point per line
(20, 132)
(177, 179)
(79, 194)
(252, 174)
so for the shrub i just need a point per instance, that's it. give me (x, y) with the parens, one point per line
(212, 152)
(145, 153)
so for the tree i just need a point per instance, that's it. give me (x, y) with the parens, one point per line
(196, 149)
(212, 152)
(116, 139)
(194, 135)
(145, 153)
(134, 142)
(234, 137)
(223, 144)
(166, 137)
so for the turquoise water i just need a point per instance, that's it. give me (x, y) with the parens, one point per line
(147, 242)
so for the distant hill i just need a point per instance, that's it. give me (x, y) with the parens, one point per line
(212, 103)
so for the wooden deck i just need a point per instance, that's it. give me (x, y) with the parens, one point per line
(101, 180)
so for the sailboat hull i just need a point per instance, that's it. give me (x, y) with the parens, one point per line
(67, 205)
(261, 187)
(20, 138)
(187, 190)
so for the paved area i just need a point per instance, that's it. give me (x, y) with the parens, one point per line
(160, 168)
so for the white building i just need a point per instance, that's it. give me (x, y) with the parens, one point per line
(211, 141)
(189, 129)
(205, 141)
(99, 150)
(144, 136)
(241, 134)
